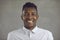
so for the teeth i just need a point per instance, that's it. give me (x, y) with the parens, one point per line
(30, 21)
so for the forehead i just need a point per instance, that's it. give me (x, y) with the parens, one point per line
(29, 10)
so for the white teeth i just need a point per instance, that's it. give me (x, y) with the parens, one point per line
(30, 21)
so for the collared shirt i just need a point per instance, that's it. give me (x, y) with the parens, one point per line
(35, 34)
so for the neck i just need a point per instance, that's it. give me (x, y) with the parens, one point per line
(30, 28)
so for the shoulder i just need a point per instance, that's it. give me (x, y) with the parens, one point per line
(14, 32)
(44, 31)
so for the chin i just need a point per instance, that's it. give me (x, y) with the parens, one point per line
(30, 25)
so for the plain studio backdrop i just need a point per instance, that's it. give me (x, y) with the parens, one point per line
(11, 10)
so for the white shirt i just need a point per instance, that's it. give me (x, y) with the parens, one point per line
(35, 34)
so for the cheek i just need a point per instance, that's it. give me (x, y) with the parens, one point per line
(24, 19)
(35, 18)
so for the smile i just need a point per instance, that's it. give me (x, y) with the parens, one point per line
(30, 21)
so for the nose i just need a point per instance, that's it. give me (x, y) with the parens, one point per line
(30, 16)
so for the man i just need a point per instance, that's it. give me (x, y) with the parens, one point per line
(30, 31)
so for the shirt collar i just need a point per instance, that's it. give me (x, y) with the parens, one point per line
(33, 31)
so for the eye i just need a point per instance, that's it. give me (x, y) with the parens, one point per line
(26, 14)
(33, 14)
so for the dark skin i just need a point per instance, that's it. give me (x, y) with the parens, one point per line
(29, 17)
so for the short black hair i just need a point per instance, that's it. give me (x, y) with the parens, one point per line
(28, 5)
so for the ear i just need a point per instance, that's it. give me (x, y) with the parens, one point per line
(22, 17)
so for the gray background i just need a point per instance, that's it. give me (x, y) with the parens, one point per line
(49, 16)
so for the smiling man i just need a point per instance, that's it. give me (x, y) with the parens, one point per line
(30, 31)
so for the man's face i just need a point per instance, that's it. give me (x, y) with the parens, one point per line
(29, 17)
